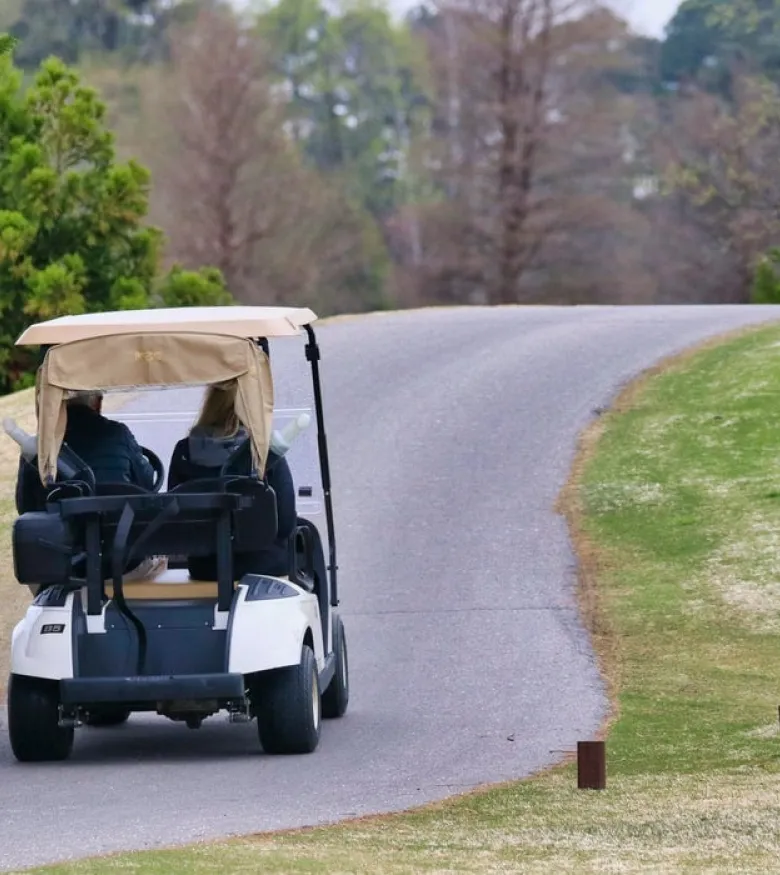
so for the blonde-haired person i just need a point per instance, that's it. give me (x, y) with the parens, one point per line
(216, 435)
(218, 413)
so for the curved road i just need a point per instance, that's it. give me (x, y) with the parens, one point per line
(451, 433)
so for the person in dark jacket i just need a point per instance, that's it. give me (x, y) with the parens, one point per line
(107, 446)
(215, 437)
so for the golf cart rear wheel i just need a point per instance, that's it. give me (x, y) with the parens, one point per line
(106, 717)
(336, 695)
(33, 720)
(289, 709)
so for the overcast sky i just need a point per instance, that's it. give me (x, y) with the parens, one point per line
(647, 16)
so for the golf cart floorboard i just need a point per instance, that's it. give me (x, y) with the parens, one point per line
(152, 688)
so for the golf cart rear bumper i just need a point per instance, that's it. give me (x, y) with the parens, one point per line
(192, 688)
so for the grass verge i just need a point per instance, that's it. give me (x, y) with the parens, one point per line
(675, 507)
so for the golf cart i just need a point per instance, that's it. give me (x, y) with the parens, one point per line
(100, 641)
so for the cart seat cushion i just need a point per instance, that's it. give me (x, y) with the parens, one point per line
(174, 584)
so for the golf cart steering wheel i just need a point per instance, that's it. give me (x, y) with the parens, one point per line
(157, 465)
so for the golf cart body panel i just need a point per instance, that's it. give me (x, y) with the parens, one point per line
(114, 636)
(265, 609)
(42, 641)
(279, 613)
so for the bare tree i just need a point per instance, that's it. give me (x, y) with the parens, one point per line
(232, 190)
(228, 171)
(534, 140)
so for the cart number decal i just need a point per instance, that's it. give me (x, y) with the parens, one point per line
(52, 628)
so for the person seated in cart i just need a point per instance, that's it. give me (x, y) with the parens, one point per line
(107, 446)
(218, 435)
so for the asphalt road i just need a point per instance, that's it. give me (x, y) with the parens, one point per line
(451, 434)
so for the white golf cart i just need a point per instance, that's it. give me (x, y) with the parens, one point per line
(100, 640)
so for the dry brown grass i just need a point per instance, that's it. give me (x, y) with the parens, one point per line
(14, 599)
(719, 823)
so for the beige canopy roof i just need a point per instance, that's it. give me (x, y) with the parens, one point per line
(153, 359)
(234, 321)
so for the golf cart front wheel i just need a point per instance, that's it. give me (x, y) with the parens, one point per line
(289, 708)
(33, 720)
(336, 696)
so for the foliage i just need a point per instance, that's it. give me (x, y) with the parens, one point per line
(725, 164)
(188, 288)
(72, 233)
(246, 201)
(131, 30)
(766, 283)
(708, 40)
(377, 162)
(358, 92)
(71, 238)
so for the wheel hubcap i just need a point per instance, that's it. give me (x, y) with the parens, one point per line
(315, 704)
(343, 655)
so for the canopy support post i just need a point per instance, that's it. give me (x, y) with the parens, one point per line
(313, 356)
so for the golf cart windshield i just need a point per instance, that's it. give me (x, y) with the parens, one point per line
(160, 417)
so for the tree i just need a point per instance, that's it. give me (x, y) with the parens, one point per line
(235, 190)
(531, 137)
(723, 159)
(712, 41)
(72, 233)
(766, 283)
(70, 225)
(187, 288)
(130, 30)
(356, 89)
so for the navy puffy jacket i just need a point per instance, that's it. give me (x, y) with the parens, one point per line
(108, 447)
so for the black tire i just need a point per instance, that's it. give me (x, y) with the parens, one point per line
(336, 696)
(107, 717)
(33, 721)
(289, 707)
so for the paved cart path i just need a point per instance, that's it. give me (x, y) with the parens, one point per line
(451, 434)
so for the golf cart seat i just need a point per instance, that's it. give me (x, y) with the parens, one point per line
(253, 554)
(199, 521)
(174, 584)
(120, 488)
(31, 494)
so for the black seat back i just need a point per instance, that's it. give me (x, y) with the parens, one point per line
(119, 488)
(200, 524)
(255, 524)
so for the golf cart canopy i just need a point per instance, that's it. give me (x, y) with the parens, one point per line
(247, 322)
(159, 349)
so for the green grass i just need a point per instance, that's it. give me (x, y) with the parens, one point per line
(675, 507)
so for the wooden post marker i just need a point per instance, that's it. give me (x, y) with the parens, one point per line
(591, 765)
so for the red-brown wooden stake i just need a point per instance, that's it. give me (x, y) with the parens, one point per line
(591, 765)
